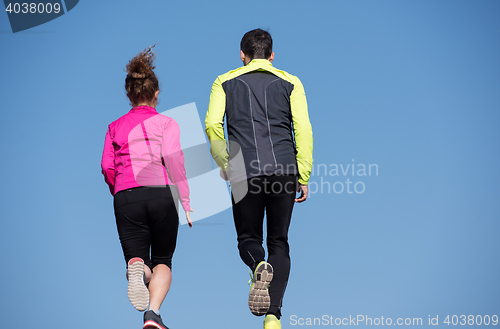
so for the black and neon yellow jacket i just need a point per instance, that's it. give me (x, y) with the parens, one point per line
(267, 118)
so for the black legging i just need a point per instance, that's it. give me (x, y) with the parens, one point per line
(275, 196)
(147, 219)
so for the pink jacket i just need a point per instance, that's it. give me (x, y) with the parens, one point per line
(142, 148)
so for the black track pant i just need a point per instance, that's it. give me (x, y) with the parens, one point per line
(274, 196)
(147, 221)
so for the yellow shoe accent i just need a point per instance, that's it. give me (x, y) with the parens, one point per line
(272, 322)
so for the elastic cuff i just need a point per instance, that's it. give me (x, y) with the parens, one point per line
(274, 311)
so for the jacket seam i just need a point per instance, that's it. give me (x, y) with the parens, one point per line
(268, 124)
(151, 154)
(253, 124)
(123, 175)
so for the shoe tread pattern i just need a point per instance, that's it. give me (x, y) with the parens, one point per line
(258, 299)
(138, 293)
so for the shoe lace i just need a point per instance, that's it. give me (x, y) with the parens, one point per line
(252, 280)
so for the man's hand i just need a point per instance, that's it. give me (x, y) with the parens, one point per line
(188, 218)
(223, 175)
(303, 195)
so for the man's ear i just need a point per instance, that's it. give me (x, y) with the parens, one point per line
(271, 58)
(242, 55)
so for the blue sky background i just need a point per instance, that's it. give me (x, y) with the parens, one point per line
(411, 86)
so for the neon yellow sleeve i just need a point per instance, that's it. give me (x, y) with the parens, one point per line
(302, 130)
(214, 124)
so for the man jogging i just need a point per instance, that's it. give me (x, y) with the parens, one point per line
(268, 124)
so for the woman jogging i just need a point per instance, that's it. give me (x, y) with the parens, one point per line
(143, 165)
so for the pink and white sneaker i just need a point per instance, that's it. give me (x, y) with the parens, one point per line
(153, 321)
(137, 291)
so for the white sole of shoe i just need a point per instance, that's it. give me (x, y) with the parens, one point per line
(258, 299)
(152, 325)
(138, 293)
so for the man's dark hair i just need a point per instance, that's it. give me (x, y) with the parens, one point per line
(257, 44)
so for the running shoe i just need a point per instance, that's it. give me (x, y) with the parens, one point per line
(272, 322)
(153, 321)
(138, 293)
(258, 299)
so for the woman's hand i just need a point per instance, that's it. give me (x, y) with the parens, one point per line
(188, 217)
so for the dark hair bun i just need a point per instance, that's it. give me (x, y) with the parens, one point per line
(142, 65)
(141, 82)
